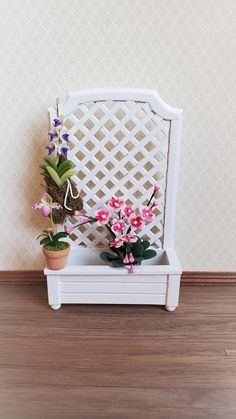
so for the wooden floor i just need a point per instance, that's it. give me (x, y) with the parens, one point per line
(85, 362)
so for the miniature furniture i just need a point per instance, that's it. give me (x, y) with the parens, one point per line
(123, 142)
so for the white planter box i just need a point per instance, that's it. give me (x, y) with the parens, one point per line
(88, 280)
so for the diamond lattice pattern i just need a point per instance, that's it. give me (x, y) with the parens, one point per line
(121, 149)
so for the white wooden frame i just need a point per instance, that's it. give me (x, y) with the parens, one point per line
(82, 281)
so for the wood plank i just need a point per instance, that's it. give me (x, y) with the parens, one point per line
(113, 362)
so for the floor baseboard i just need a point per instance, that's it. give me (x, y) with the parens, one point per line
(188, 277)
(208, 277)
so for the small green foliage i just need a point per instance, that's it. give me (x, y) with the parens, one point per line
(58, 172)
(53, 174)
(149, 254)
(50, 241)
(107, 257)
(117, 263)
(139, 250)
(145, 244)
(59, 246)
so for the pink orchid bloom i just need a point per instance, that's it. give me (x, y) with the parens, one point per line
(127, 211)
(156, 188)
(154, 203)
(116, 243)
(78, 214)
(129, 238)
(69, 230)
(82, 216)
(84, 219)
(102, 215)
(131, 258)
(118, 226)
(136, 222)
(46, 210)
(115, 203)
(126, 259)
(49, 229)
(147, 214)
(46, 205)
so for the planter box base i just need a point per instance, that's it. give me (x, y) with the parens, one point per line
(88, 280)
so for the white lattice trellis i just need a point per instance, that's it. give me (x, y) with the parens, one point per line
(120, 147)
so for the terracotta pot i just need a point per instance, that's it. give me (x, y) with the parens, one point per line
(56, 259)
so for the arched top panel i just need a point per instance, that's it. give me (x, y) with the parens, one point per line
(123, 142)
(152, 97)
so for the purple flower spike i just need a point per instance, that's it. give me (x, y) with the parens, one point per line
(56, 122)
(65, 137)
(52, 135)
(50, 149)
(64, 151)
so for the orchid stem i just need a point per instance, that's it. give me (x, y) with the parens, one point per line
(86, 222)
(110, 231)
(150, 199)
(52, 223)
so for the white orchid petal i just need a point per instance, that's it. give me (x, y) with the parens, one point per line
(37, 206)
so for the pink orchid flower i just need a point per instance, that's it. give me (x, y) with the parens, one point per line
(136, 222)
(154, 203)
(116, 243)
(156, 189)
(102, 215)
(82, 216)
(118, 226)
(129, 238)
(115, 203)
(127, 211)
(147, 214)
(126, 259)
(69, 230)
(131, 258)
(78, 214)
(84, 219)
(46, 205)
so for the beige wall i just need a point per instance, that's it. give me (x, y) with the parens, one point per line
(186, 49)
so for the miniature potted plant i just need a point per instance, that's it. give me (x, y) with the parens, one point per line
(123, 224)
(55, 251)
(57, 171)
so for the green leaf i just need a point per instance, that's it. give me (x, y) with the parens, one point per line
(138, 260)
(66, 165)
(119, 251)
(51, 162)
(117, 263)
(45, 241)
(60, 235)
(145, 244)
(57, 159)
(54, 175)
(41, 235)
(150, 253)
(67, 175)
(137, 248)
(107, 257)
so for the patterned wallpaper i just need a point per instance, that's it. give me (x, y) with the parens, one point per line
(185, 49)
